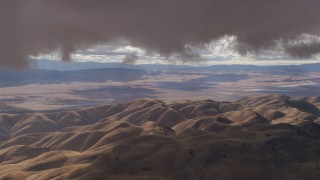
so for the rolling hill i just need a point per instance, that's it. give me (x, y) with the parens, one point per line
(263, 137)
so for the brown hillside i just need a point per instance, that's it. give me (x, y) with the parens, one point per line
(269, 137)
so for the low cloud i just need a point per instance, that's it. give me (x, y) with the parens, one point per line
(33, 27)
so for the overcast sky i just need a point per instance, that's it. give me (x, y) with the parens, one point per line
(171, 31)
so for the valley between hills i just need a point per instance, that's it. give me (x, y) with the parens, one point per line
(260, 137)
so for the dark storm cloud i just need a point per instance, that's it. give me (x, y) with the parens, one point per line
(30, 27)
(304, 50)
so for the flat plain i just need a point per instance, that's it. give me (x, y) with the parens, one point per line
(72, 89)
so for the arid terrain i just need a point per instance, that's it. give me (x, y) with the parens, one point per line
(258, 137)
(159, 90)
(52, 90)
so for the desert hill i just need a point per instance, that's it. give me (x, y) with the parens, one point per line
(266, 137)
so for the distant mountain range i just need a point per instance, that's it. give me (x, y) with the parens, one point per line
(67, 66)
(55, 72)
(46, 76)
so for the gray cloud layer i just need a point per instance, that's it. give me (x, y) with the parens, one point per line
(30, 27)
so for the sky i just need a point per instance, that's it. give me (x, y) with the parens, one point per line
(160, 31)
(219, 52)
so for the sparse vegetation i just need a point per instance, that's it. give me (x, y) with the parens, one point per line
(148, 139)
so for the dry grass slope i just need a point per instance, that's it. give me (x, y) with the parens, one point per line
(269, 137)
